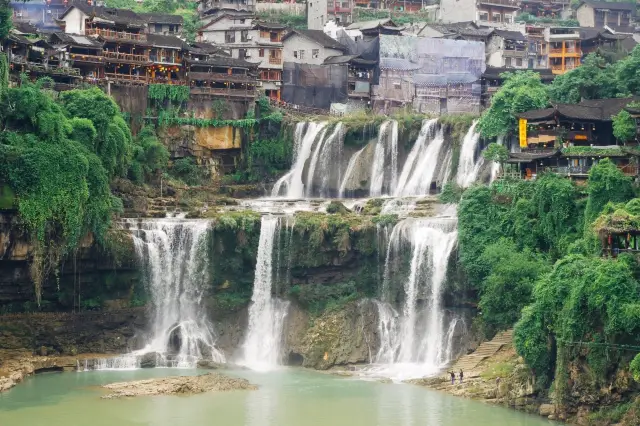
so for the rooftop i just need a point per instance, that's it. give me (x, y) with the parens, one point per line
(162, 18)
(609, 5)
(592, 110)
(510, 35)
(317, 36)
(109, 14)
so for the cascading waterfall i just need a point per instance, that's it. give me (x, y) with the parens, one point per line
(421, 165)
(414, 342)
(495, 166)
(328, 150)
(174, 253)
(347, 174)
(266, 313)
(303, 145)
(388, 132)
(468, 167)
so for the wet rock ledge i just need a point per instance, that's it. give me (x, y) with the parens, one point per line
(179, 385)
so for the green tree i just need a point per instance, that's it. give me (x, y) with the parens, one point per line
(624, 126)
(606, 184)
(520, 92)
(150, 157)
(628, 73)
(496, 153)
(5, 18)
(593, 79)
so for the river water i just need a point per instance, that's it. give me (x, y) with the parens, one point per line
(286, 397)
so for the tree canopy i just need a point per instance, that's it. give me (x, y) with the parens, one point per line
(521, 91)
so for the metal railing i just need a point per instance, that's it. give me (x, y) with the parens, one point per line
(123, 35)
(130, 57)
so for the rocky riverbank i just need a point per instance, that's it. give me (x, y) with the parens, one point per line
(182, 385)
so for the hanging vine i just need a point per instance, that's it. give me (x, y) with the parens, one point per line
(174, 93)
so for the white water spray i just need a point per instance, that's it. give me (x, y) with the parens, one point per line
(388, 132)
(347, 174)
(468, 168)
(267, 313)
(414, 343)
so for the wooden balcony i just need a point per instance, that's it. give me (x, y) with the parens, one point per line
(225, 92)
(41, 69)
(113, 34)
(220, 77)
(126, 78)
(570, 52)
(126, 58)
(510, 53)
(95, 59)
(275, 61)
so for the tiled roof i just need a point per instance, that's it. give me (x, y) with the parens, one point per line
(76, 40)
(341, 59)
(592, 110)
(270, 25)
(162, 18)
(317, 36)
(207, 48)
(526, 157)
(510, 35)
(173, 42)
(537, 114)
(398, 64)
(610, 5)
(24, 28)
(117, 16)
(372, 25)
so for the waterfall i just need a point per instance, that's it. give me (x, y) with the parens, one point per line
(347, 174)
(388, 132)
(266, 313)
(416, 342)
(422, 163)
(495, 166)
(174, 253)
(303, 145)
(468, 168)
(328, 153)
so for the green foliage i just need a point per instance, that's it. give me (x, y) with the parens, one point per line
(531, 19)
(298, 22)
(496, 153)
(48, 158)
(172, 92)
(624, 126)
(336, 207)
(317, 297)
(187, 170)
(593, 79)
(385, 220)
(627, 73)
(588, 151)
(451, 193)
(520, 92)
(606, 184)
(506, 288)
(634, 367)
(5, 18)
(150, 157)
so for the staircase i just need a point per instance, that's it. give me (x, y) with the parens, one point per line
(468, 363)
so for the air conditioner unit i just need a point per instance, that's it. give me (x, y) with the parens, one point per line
(247, 55)
(19, 15)
(259, 84)
(49, 11)
(278, 83)
(249, 37)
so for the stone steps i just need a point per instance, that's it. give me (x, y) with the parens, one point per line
(468, 363)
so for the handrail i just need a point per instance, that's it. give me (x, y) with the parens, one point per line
(115, 34)
(127, 77)
(275, 61)
(126, 56)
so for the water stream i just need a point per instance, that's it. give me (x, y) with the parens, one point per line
(266, 313)
(175, 258)
(468, 165)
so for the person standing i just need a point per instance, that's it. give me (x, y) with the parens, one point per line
(461, 376)
(453, 377)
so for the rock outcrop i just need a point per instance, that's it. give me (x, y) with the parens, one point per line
(177, 385)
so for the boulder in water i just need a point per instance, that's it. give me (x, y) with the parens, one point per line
(149, 360)
(177, 385)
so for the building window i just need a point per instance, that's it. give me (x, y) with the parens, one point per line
(261, 53)
(242, 21)
(496, 17)
(295, 54)
(315, 53)
(396, 85)
(244, 36)
(507, 62)
(518, 62)
(157, 28)
(242, 53)
(484, 16)
(508, 19)
(301, 54)
(229, 36)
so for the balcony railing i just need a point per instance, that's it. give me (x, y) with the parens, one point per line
(138, 79)
(355, 94)
(54, 70)
(86, 58)
(165, 59)
(243, 93)
(208, 76)
(123, 35)
(275, 61)
(127, 57)
(510, 3)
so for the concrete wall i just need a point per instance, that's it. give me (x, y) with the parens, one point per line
(457, 10)
(316, 14)
(297, 43)
(75, 22)
(585, 16)
(289, 8)
(493, 49)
